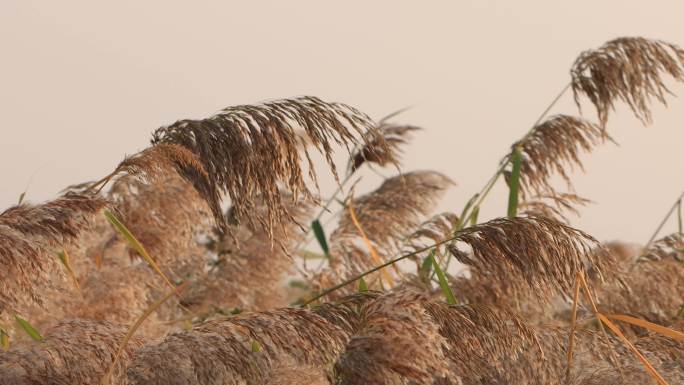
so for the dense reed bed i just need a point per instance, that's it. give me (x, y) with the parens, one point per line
(210, 258)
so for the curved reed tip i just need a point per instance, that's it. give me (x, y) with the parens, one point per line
(553, 148)
(395, 208)
(534, 255)
(29, 235)
(73, 352)
(384, 147)
(554, 205)
(248, 151)
(629, 69)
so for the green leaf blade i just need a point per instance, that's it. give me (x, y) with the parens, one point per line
(443, 283)
(514, 186)
(29, 329)
(363, 286)
(320, 236)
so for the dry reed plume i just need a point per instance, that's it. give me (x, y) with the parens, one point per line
(628, 69)
(520, 311)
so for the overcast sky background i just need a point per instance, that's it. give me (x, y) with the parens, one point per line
(84, 83)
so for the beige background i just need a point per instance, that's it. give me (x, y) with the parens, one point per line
(83, 83)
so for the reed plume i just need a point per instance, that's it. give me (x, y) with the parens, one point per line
(384, 147)
(248, 151)
(386, 215)
(553, 206)
(553, 147)
(244, 271)
(243, 349)
(536, 255)
(166, 215)
(74, 352)
(649, 288)
(396, 343)
(30, 235)
(627, 69)
(395, 208)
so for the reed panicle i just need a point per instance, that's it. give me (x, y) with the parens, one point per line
(385, 147)
(245, 272)
(627, 69)
(387, 215)
(396, 343)
(536, 255)
(73, 352)
(552, 148)
(165, 215)
(29, 238)
(249, 150)
(395, 208)
(246, 348)
(553, 206)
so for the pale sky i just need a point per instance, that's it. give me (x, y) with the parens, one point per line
(84, 83)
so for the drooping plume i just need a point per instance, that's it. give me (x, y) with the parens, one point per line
(553, 148)
(534, 255)
(30, 236)
(249, 151)
(627, 69)
(385, 147)
(73, 352)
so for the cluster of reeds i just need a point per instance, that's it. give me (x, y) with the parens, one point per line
(142, 277)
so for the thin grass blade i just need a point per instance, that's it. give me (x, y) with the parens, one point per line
(363, 286)
(649, 368)
(29, 329)
(66, 261)
(123, 230)
(320, 236)
(443, 283)
(516, 160)
(4, 340)
(677, 335)
(176, 290)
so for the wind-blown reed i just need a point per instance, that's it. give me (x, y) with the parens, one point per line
(628, 69)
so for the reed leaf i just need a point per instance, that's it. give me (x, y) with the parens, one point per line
(443, 282)
(28, 328)
(514, 184)
(320, 237)
(123, 230)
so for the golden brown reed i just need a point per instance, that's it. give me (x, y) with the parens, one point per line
(390, 212)
(652, 289)
(387, 215)
(249, 150)
(384, 147)
(75, 352)
(396, 343)
(627, 69)
(533, 255)
(30, 236)
(165, 215)
(553, 148)
(248, 348)
(553, 206)
(245, 270)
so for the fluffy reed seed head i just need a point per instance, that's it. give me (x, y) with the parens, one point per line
(385, 147)
(628, 69)
(533, 255)
(30, 235)
(552, 148)
(74, 352)
(249, 151)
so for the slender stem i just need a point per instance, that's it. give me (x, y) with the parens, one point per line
(492, 181)
(481, 196)
(674, 207)
(376, 268)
